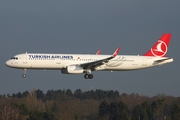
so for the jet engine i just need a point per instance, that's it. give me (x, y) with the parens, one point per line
(72, 70)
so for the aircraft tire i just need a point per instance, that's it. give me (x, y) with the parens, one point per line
(90, 76)
(86, 76)
(23, 75)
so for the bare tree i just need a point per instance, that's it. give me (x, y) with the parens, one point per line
(8, 112)
(34, 103)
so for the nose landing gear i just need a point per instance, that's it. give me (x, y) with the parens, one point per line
(24, 73)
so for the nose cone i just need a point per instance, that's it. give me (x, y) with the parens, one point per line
(8, 63)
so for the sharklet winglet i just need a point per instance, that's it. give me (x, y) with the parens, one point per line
(116, 52)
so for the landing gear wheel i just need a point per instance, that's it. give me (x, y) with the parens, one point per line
(23, 75)
(86, 76)
(90, 76)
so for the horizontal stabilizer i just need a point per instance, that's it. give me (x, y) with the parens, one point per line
(162, 60)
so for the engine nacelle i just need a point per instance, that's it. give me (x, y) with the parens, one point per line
(72, 70)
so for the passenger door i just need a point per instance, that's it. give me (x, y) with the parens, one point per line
(25, 59)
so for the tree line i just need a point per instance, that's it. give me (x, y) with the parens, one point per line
(64, 95)
(88, 105)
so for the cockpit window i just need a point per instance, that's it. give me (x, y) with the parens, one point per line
(14, 58)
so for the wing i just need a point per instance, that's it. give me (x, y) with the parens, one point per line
(94, 64)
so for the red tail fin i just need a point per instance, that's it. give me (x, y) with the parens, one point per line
(160, 47)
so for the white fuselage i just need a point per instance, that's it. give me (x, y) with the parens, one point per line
(61, 61)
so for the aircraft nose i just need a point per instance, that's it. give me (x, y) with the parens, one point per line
(8, 63)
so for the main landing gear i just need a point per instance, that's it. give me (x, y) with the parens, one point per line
(88, 76)
(24, 73)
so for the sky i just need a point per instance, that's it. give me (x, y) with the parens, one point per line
(81, 26)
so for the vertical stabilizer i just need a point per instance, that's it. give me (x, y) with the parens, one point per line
(160, 48)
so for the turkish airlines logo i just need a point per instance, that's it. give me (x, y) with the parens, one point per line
(160, 49)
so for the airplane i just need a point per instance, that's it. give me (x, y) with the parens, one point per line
(85, 63)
